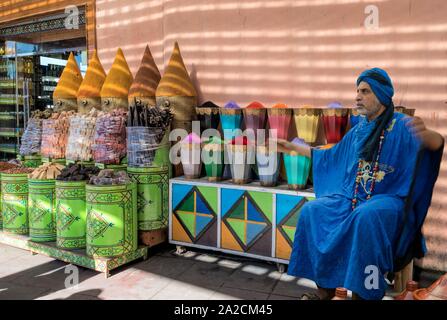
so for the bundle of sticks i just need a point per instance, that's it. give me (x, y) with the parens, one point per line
(145, 130)
(140, 115)
(48, 170)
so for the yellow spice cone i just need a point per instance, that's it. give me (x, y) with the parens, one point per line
(118, 80)
(176, 80)
(94, 79)
(69, 82)
(146, 79)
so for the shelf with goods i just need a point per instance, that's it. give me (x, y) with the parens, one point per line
(17, 88)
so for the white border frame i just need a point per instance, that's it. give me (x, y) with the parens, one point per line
(228, 185)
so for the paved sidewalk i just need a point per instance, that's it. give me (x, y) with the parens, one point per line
(164, 275)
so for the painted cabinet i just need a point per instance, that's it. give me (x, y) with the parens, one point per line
(247, 220)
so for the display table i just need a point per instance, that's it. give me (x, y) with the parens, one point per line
(247, 220)
(76, 257)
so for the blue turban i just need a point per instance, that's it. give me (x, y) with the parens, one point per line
(380, 84)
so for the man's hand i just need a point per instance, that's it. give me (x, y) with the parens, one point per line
(431, 139)
(285, 146)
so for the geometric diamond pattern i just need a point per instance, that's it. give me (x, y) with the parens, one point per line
(10, 214)
(246, 221)
(66, 218)
(195, 214)
(97, 225)
(287, 226)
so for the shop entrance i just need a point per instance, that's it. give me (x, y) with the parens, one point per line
(33, 54)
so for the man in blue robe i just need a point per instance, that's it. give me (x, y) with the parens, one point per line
(354, 244)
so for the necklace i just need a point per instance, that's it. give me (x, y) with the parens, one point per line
(358, 177)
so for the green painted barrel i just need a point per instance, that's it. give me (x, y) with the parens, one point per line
(84, 163)
(153, 197)
(42, 210)
(59, 161)
(112, 228)
(71, 214)
(115, 167)
(33, 161)
(14, 197)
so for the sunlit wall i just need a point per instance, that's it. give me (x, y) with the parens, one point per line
(297, 52)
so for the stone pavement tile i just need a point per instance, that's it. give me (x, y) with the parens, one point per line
(278, 297)
(224, 293)
(139, 285)
(294, 287)
(8, 253)
(207, 275)
(25, 264)
(12, 291)
(229, 263)
(253, 276)
(48, 275)
(169, 267)
(72, 294)
(91, 283)
(178, 290)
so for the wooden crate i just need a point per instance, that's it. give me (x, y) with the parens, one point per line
(153, 237)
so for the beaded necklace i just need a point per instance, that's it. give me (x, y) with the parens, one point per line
(358, 177)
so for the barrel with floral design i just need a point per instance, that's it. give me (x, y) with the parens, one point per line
(112, 222)
(152, 196)
(14, 203)
(71, 214)
(42, 210)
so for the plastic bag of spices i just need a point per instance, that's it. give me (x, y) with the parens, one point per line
(32, 138)
(55, 135)
(81, 136)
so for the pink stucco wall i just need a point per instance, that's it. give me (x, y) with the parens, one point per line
(297, 52)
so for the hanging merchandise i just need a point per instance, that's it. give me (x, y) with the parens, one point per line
(81, 135)
(55, 135)
(32, 137)
(109, 145)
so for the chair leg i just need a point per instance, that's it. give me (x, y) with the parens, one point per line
(402, 277)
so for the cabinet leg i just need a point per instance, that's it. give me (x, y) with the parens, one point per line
(180, 250)
(281, 267)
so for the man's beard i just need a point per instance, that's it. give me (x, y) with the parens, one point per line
(368, 112)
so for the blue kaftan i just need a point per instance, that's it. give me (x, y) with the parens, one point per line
(334, 246)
